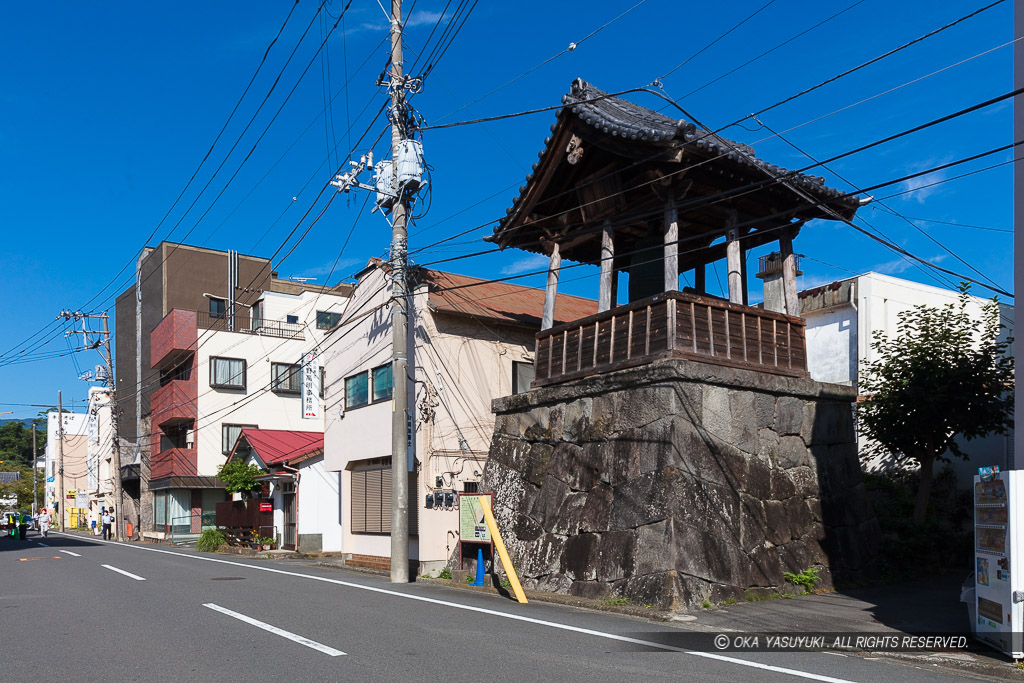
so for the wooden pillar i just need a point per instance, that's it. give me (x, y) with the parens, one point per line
(734, 260)
(605, 300)
(554, 267)
(789, 273)
(671, 245)
(700, 278)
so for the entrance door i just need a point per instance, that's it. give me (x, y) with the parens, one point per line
(289, 521)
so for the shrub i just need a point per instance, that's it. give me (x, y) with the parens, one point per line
(210, 541)
(445, 573)
(805, 579)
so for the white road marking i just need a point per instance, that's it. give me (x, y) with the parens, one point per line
(43, 544)
(275, 630)
(68, 552)
(505, 615)
(121, 571)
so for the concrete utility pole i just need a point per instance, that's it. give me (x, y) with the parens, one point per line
(35, 486)
(399, 321)
(60, 455)
(118, 491)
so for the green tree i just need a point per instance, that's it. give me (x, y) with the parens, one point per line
(942, 375)
(239, 477)
(21, 490)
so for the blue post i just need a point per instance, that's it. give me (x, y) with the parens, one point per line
(479, 568)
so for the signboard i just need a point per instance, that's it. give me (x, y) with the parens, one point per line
(472, 526)
(71, 494)
(310, 387)
(82, 500)
(266, 507)
(49, 480)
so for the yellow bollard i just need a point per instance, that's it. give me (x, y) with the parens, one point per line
(485, 505)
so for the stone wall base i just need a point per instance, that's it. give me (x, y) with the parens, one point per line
(680, 482)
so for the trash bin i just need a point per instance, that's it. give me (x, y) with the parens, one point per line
(92, 524)
(967, 595)
(128, 529)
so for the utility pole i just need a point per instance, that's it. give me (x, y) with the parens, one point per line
(35, 486)
(399, 320)
(108, 359)
(60, 455)
(118, 491)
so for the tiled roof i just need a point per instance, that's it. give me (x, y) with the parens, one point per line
(499, 301)
(9, 477)
(276, 446)
(623, 119)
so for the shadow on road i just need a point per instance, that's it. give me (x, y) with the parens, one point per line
(34, 538)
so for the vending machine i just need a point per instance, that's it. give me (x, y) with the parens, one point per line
(999, 560)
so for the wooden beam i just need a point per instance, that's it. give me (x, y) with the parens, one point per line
(700, 282)
(671, 245)
(604, 299)
(554, 267)
(789, 273)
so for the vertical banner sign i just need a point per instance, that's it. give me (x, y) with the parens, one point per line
(310, 387)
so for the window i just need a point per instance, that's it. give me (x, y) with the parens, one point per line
(326, 320)
(356, 391)
(257, 315)
(229, 435)
(522, 377)
(292, 319)
(218, 307)
(382, 383)
(284, 378)
(227, 373)
(370, 499)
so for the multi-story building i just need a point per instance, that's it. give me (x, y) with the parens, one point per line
(67, 466)
(470, 341)
(842, 319)
(100, 483)
(208, 342)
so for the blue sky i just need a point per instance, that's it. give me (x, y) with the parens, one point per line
(107, 109)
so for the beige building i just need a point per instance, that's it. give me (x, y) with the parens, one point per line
(100, 485)
(470, 341)
(67, 466)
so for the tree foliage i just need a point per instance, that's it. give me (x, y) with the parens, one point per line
(22, 488)
(943, 375)
(238, 477)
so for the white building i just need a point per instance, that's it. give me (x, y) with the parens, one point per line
(100, 485)
(470, 341)
(67, 467)
(842, 318)
(219, 376)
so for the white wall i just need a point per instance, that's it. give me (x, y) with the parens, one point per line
(832, 345)
(256, 405)
(319, 503)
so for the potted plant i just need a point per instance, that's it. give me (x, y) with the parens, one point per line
(267, 542)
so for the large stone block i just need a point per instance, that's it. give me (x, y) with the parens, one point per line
(544, 508)
(828, 423)
(789, 415)
(576, 419)
(579, 560)
(538, 461)
(744, 421)
(615, 555)
(597, 511)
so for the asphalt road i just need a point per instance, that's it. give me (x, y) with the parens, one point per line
(85, 610)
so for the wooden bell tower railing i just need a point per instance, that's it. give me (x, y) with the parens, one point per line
(672, 325)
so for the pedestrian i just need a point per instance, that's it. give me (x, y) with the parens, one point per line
(23, 523)
(107, 519)
(44, 522)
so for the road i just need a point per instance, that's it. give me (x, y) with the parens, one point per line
(84, 610)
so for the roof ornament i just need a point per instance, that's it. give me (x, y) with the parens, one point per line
(574, 150)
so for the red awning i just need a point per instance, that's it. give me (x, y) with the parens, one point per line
(278, 446)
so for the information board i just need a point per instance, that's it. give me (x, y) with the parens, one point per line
(472, 527)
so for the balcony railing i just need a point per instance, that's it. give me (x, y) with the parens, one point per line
(244, 323)
(672, 325)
